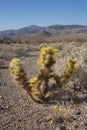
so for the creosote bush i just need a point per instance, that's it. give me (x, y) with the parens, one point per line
(39, 87)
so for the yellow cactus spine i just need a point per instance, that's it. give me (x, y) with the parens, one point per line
(47, 56)
(71, 68)
(18, 72)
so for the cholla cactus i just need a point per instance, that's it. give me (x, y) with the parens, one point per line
(19, 76)
(47, 60)
(34, 84)
(71, 67)
(18, 72)
(39, 86)
(47, 56)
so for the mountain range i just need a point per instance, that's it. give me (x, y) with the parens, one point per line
(42, 32)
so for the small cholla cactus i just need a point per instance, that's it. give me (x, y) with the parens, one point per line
(39, 86)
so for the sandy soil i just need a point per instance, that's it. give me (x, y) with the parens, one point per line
(66, 111)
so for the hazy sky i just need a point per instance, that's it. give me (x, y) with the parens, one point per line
(15, 14)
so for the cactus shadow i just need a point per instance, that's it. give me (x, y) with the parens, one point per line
(65, 97)
(4, 67)
(76, 96)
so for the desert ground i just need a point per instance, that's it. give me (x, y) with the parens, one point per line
(67, 110)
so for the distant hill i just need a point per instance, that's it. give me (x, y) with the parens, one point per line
(40, 32)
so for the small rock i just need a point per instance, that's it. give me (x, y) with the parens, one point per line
(77, 112)
(57, 128)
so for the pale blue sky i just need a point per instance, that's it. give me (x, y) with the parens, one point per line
(15, 14)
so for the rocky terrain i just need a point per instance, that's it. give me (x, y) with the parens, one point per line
(67, 110)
